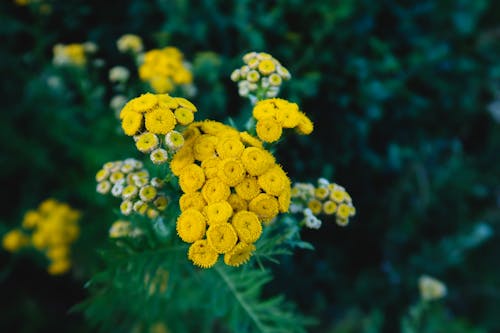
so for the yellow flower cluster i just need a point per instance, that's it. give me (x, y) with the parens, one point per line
(231, 185)
(129, 43)
(275, 114)
(129, 181)
(150, 116)
(326, 198)
(164, 69)
(261, 76)
(53, 228)
(72, 54)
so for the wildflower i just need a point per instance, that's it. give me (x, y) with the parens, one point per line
(222, 237)
(192, 200)
(140, 207)
(269, 130)
(215, 190)
(256, 161)
(131, 123)
(117, 189)
(191, 225)
(161, 202)
(146, 142)
(147, 193)
(159, 156)
(431, 288)
(184, 116)
(329, 207)
(191, 178)
(247, 226)
(120, 228)
(239, 255)
(14, 240)
(248, 189)
(274, 181)
(103, 187)
(218, 212)
(126, 207)
(229, 147)
(315, 206)
(69, 55)
(265, 206)
(129, 43)
(211, 167)
(174, 140)
(231, 171)
(118, 74)
(202, 255)
(237, 202)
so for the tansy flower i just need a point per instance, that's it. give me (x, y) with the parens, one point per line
(267, 66)
(229, 147)
(131, 123)
(159, 156)
(174, 140)
(275, 80)
(152, 213)
(247, 226)
(218, 212)
(159, 83)
(120, 228)
(253, 76)
(181, 159)
(264, 110)
(147, 142)
(248, 188)
(269, 130)
(231, 171)
(140, 207)
(191, 225)
(129, 43)
(305, 125)
(321, 193)
(160, 121)
(201, 254)
(222, 237)
(256, 161)
(101, 175)
(59, 267)
(31, 219)
(14, 240)
(215, 190)
(184, 116)
(250, 140)
(161, 202)
(265, 206)
(157, 182)
(239, 255)
(191, 178)
(204, 147)
(274, 181)
(284, 200)
(147, 193)
(192, 200)
(315, 206)
(211, 167)
(126, 207)
(237, 203)
(329, 207)
(103, 187)
(117, 189)
(129, 192)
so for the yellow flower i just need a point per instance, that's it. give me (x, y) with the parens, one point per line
(329, 207)
(305, 125)
(221, 237)
(59, 267)
(145, 103)
(215, 190)
(186, 104)
(239, 255)
(264, 110)
(161, 202)
(101, 175)
(202, 255)
(31, 219)
(315, 206)
(191, 225)
(192, 200)
(146, 142)
(128, 43)
(248, 188)
(116, 176)
(265, 206)
(269, 130)
(231, 171)
(184, 116)
(250, 140)
(126, 207)
(275, 80)
(14, 240)
(267, 66)
(284, 199)
(338, 194)
(229, 147)
(147, 193)
(218, 212)
(160, 121)
(253, 76)
(140, 207)
(321, 192)
(247, 226)
(343, 211)
(174, 140)
(211, 166)
(236, 202)
(58, 252)
(159, 156)
(181, 159)
(274, 181)
(159, 83)
(131, 123)
(256, 161)
(288, 114)
(204, 147)
(103, 187)
(191, 178)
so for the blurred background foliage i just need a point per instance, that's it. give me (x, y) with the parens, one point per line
(398, 90)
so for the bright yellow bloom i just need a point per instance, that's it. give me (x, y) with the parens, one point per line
(215, 190)
(186, 104)
(275, 80)
(161, 202)
(267, 66)
(218, 212)
(237, 203)
(231, 171)
(248, 188)
(265, 206)
(211, 166)
(147, 142)
(305, 125)
(239, 255)
(256, 161)
(159, 83)
(343, 211)
(129, 191)
(204, 147)
(288, 114)
(181, 159)
(221, 237)
(14, 240)
(284, 199)
(264, 110)
(159, 156)
(145, 103)
(101, 175)
(131, 123)
(126, 207)
(147, 193)
(247, 226)
(191, 178)
(160, 121)
(229, 147)
(274, 181)
(329, 207)
(315, 206)
(31, 219)
(58, 252)
(184, 116)
(338, 194)
(174, 140)
(140, 207)
(250, 140)
(202, 255)
(253, 76)
(192, 200)
(191, 225)
(321, 192)
(269, 130)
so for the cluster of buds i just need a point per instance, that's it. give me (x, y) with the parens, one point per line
(130, 182)
(324, 199)
(261, 76)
